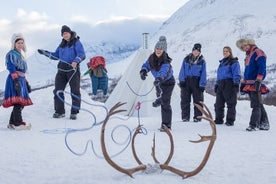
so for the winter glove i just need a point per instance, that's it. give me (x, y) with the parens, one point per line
(157, 81)
(17, 86)
(241, 87)
(182, 84)
(43, 52)
(236, 87)
(28, 87)
(143, 74)
(216, 88)
(257, 85)
(202, 89)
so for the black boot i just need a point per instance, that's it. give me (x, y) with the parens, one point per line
(157, 102)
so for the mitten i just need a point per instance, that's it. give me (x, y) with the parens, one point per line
(157, 81)
(257, 85)
(43, 52)
(28, 87)
(202, 89)
(182, 84)
(143, 74)
(241, 87)
(17, 86)
(236, 87)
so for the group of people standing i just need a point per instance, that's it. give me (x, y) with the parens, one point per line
(193, 79)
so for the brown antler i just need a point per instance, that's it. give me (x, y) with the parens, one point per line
(129, 171)
(210, 138)
(137, 131)
(171, 151)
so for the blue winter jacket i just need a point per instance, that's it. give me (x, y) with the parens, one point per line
(164, 71)
(229, 68)
(71, 52)
(193, 68)
(255, 64)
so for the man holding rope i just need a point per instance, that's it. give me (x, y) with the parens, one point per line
(70, 53)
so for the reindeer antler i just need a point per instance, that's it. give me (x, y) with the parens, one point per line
(171, 151)
(210, 138)
(207, 116)
(129, 171)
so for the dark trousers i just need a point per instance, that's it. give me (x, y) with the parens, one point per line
(258, 115)
(61, 80)
(166, 109)
(16, 115)
(226, 93)
(191, 89)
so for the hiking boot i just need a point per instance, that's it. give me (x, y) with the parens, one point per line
(162, 129)
(229, 123)
(218, 122)
(264, 126)
(185, 120)
(73, 116)
(251, 128)
(57, 115)
(157, 102)
(197, 120)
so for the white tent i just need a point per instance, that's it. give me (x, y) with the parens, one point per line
(130, 83)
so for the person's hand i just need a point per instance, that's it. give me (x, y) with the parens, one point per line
(17, 86)
(257, 85)
(28, 87)
(241, 87)
(202, 89)
(143, 74)
(157, 82)
(74, 64)
(43, 52)
(216, 88)
(182, 84)
(236, 87)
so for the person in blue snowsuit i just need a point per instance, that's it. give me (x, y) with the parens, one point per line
(70, 53)
(227, 87)
(252, 83)
(159, 64)
(17, 88)
(192, 81)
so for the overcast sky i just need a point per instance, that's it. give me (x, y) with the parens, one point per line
(36, 18)
(61, 11)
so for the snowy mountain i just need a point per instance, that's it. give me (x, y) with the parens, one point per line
(217, 23)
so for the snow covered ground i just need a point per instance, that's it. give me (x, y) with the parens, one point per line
(41, 156)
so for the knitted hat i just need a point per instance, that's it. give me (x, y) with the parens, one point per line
(65, 28)
(244, 41)
(15, 37)
(161, 44)
(197, 46)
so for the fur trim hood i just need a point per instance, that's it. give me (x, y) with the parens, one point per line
(15, 37)
(244, 41)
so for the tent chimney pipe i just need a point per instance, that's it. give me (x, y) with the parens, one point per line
(145, 40)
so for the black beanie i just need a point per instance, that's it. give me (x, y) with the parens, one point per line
(65, 29)
(197, 46)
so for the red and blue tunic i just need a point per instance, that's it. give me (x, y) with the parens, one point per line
(17, 68)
